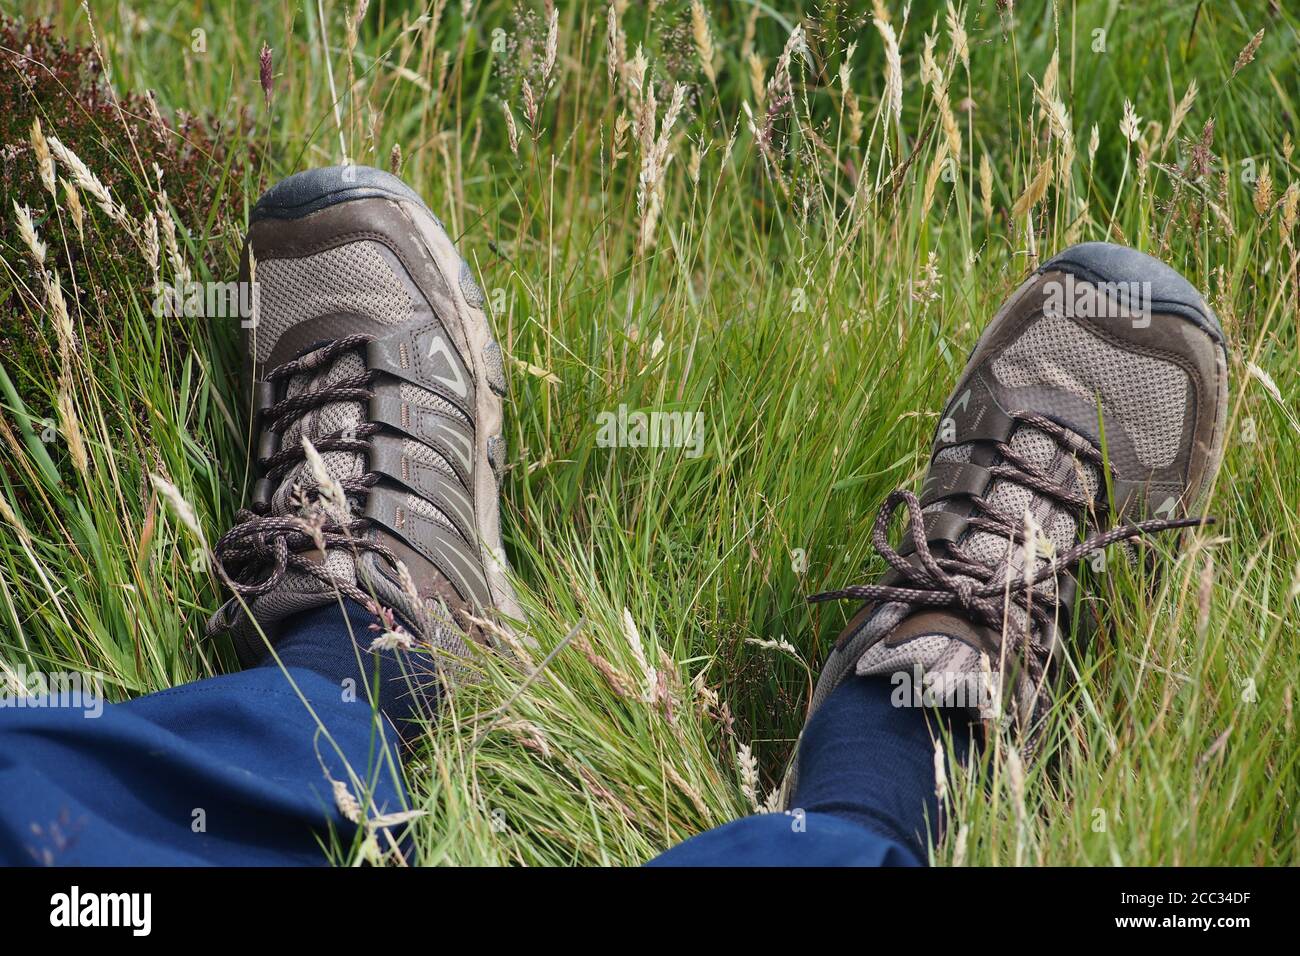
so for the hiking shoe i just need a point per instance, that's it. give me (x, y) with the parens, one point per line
(1100, 341)
(371, 343)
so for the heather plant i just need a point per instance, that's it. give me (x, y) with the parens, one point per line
(140, 154)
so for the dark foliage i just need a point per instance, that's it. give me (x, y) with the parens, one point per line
(120, 138)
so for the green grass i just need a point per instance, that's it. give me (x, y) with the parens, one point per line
(813, 298)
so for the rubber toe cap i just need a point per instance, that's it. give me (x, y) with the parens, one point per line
(1170, 293)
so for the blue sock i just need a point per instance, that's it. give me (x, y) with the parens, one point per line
(319, 640)
(869, 762)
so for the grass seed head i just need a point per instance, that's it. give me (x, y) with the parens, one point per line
(986, 186)
(957, 34)
(893, 97)
(1035, 191)
(1290, 200)
(1263, 196)
(1180, 112)
(27, 232)
(183, 510)
(72, 197)
(703, 39)
(88, 182)
(1130, 124)
(343, 799)
(940, 772)
(1247, 53)
(552, 44)
(44, 162)
(70, 428)
(266, 79)
(330, 492)
(615, 46)
(512, 132)
(747, 765)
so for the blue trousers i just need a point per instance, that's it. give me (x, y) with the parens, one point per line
(246, 769)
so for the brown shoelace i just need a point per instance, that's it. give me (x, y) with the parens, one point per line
(254, 556)
(942, 582)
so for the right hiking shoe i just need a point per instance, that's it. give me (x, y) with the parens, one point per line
(1100, 341)
(371, 343)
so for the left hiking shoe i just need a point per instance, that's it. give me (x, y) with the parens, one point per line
(371, 343)
(1101, 347)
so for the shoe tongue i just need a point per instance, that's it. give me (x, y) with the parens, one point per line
(316, 423)
(1009, 500)
(301, 591)
(939, 640)
(944, 645)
